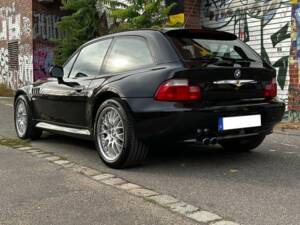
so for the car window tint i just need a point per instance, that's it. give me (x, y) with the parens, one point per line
(68, 65)
(90, 59)
(127, 54)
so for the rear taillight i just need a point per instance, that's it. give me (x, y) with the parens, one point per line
(178, 90)
(271, 89)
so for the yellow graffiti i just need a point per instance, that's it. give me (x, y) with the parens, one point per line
(176, 19)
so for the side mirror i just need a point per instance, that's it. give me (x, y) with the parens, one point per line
(56, 71)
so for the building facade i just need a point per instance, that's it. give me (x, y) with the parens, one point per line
(27, 30)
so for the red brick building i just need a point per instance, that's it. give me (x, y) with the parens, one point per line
(27, 28)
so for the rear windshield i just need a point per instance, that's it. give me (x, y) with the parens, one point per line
(201, 48)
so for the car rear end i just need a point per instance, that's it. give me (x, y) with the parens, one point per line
(223, 91)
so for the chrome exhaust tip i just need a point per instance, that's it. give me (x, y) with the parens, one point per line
(213, 141)
(205, 141)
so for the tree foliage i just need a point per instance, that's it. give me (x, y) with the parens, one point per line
(81, 25)
(88, 19)
(138, 14)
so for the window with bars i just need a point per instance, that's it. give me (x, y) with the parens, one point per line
(13, 55)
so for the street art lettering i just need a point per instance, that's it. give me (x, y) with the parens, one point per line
(25, 69)
(265, 25)
(45, 26)
(3, 65)
(12, 26)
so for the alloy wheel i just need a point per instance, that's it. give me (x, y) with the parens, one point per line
(21, 119)
(110, 134)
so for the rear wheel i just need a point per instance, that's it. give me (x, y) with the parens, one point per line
(24, 124)
(243, 144)
(115, 138)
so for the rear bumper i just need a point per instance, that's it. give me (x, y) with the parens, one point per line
(156, 120)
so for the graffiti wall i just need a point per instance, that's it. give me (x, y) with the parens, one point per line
(294, 65)
(15, 27)
(266, 26)
(31, 25)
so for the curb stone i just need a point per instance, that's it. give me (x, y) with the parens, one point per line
(204, 216)
(169, 202)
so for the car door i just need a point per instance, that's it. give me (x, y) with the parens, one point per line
(65, 103)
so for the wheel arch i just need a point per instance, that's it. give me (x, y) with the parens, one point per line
(99, 99)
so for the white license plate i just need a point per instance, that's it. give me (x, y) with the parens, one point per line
(238, 122)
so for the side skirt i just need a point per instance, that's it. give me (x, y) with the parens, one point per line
(52, 127)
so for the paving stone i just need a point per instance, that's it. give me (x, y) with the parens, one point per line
(143, 192)
(89, 172)
(224, 222)
(33, 151)
(113, 181)
(77, 168)
(53, 158)
(18, 146)
(164, 199)
(103, 176)
(61, 162)
(183, 208)
(43, 155)
(24, 148)
(69, 165)
(129, 186)
(204, 216)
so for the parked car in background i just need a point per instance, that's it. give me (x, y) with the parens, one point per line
(128, 89)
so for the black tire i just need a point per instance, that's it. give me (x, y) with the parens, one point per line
(134, 151)
(242, 144)
(30, 131)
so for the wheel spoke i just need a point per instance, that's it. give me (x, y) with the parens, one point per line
(21, 118)
(110, 133)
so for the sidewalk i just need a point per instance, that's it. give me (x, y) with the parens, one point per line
(35, 192)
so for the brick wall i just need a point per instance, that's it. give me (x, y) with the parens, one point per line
(16, 26)
(192, 13)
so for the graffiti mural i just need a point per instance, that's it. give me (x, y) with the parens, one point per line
(43, 59)
(45, 26)
(14, 27)
(294, 66)
(265, 25)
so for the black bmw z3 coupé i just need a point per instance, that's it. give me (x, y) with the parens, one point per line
(128, 89)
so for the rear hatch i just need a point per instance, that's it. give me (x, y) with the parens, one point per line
(223, 66)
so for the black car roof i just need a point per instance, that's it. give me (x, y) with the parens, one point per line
(206, 33)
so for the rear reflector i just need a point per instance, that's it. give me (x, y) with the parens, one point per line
(271, 89)
(177, 90)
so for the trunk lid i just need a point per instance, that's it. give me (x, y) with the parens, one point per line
(219, 84)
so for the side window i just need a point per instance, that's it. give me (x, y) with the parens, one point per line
(128, 53)
(69, 64)
(90, 59)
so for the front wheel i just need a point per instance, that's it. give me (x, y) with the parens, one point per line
(242, 144)
(115, 138)
(24, 124)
